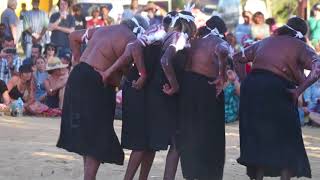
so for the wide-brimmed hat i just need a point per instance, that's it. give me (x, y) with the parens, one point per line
(55, 63)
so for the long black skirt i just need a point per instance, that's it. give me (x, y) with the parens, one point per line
(270, 132)
(135, 127)
(87, 117)
(201, 132)
(162, 109)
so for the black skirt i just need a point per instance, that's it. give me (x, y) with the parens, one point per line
(162, 109)
(87, 117)
(270, 132)
(135, 129)
(201, 132)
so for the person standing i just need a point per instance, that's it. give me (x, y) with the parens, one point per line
(80, 20)
(62, 24)
(108, 20)
(314, 25)
(201, 137)
(10, 20)
(89, 102)
(271, 142)
(96, 21)
(244, 29)
(35, 24)
(259, 28)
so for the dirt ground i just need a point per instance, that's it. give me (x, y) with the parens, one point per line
(28, 152)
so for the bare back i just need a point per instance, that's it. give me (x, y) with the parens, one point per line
(282, 55)
(202, 57)
(105, 46)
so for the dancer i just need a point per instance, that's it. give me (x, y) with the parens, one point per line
(142, 52)
(201, 138)
(89, 103)
(163, 87)
(271, 141)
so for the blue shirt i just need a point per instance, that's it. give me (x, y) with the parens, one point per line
(9, 17)
(40, 77)
(311, 95)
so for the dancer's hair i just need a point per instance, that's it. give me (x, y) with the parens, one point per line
(131, 25)
(212, 23)
(186, 26)
(297, 24)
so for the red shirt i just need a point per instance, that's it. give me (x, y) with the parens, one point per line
(95, 23)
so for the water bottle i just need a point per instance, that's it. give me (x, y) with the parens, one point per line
(19, 107)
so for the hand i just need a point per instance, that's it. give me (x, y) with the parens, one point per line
(104, 75)
(294, 95)
(138, 84)
(170, 90)
(219, 83)
(53, 26)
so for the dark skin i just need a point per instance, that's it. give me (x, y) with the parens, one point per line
(286, 57)
(101, 53)
(205, 60)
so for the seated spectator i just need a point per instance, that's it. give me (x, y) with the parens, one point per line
(272, 24)
(312, 97)
(55, 83)
(4, 98)
(96, 21)
(245, 28)
(50, 51)
(22, 86)
(105, 16)
(231, 97)
(40, 75)
(9, 60)
(260, 29)
(36, 51)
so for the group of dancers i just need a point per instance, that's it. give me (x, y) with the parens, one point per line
(173, 98)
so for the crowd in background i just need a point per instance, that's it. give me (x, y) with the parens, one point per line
(38, 77)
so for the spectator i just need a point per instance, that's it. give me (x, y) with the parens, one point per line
(55, 83)
(134, 9)
(272, 24)
(35, 54)
(2, 34)
(108, 20)
(96, 21)
(231, 97)
(10, 63)
(260, 29)
(4, 95)
(23, 10)
(312, 100)
(22, 86)
(244, 29)
(80, 20)
(314, 25)
(50, 51)
(35, 24)
(153, 17)
(40, 75)
(10, 20)
(62, 24)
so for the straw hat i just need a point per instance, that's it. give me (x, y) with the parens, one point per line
(55, 63)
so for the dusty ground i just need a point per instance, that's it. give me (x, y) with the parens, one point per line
(28, 152)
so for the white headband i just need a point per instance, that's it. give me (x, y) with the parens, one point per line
(298, 33)
(138, 27)
(214, 32)
(182, 16)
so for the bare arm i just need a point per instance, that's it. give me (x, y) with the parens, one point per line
(52, 89)
(14, 34)
(241, 58)
(167, 66)
(6, 98)
(222, 51)
(12, 82)
(64, 29)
